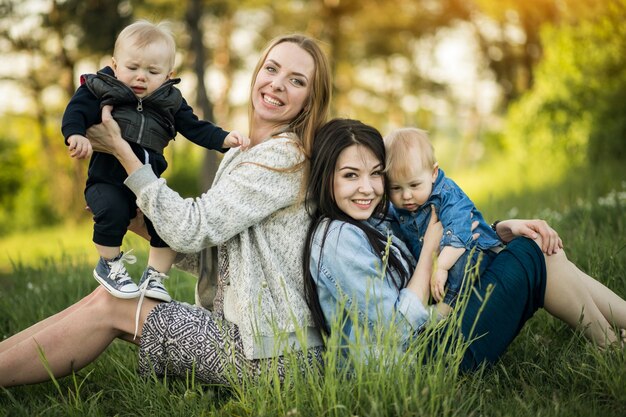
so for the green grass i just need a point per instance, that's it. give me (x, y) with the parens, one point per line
(54, 243)
(549, 370)
(30, 247)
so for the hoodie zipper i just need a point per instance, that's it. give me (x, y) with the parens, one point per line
(140, 100)
(143, 119)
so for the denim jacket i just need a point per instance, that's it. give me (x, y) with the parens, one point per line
(349, 278)
(456, 213)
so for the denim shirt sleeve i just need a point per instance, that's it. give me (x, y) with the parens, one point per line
(455, 216)
(349, 268)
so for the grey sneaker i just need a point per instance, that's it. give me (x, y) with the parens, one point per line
(151, 284)
(114, 277)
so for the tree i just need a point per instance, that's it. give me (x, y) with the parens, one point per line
(45, 40)
(221, 13)
(508, 32)
(510, 41)
(11, 180)
(577, 102)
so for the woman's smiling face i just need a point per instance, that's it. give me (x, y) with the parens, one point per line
(283, 84)
(358, 182)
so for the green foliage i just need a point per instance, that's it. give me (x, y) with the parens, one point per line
(34, 206)
(575, 110)
(597, 192)
(27, 197)
(184, 163)
(375, 47)
(94, 25)
(12, 173)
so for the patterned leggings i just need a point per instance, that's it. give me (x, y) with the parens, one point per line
(179, 338)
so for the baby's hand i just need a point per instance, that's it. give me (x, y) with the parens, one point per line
(438, 284)
(235, 139)
(79, 147)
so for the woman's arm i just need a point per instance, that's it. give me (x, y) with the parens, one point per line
(507, 230)
(420, 281)
(351, 274)
(250, 192)
(246, 193)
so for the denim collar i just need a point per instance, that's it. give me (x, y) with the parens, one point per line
(438, 185)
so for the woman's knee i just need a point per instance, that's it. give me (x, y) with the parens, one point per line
(103, 302)
(558, 259)
(553, 259)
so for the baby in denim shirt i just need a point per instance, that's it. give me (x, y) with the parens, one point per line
(416, 184)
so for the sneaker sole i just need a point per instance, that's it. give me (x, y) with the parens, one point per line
(113, 291)
(158, 295)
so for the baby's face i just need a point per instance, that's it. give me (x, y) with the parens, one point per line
(142, 69)
(410, 191)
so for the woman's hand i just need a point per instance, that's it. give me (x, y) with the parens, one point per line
(420, 281)
(138, 225)
(532, 229)
(107, 137)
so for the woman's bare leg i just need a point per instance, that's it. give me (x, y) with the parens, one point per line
(569, 298)
(612, 306)
(27, 333)
(72, 340)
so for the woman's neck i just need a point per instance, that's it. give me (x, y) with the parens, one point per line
(260, 132)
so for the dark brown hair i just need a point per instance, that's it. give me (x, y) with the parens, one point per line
(331, 140)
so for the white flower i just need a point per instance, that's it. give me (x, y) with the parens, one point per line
(613, 199)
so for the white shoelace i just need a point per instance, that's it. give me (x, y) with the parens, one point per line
(153, 275)
(117, 266)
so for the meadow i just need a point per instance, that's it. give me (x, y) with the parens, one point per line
(549, 370)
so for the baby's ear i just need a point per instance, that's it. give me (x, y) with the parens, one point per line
(172, 74)
(435, 171)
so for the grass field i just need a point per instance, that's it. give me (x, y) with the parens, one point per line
(549, 370)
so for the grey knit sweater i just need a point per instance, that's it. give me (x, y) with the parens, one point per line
(255, 209)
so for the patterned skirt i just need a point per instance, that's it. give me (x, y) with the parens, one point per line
(179, 339)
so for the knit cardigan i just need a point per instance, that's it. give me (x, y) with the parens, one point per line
(255, 208)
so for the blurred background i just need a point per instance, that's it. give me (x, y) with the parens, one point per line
(518, 95)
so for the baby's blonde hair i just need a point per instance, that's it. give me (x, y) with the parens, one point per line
(398, 146)
(143, 32)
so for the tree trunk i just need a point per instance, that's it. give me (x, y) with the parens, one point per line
(207, 275)
(193, 18)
